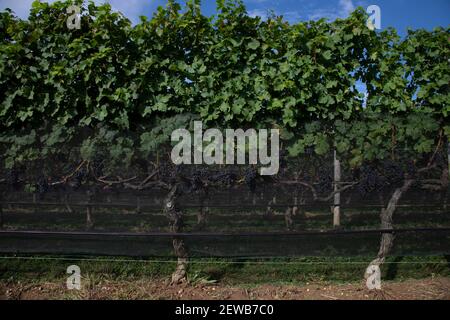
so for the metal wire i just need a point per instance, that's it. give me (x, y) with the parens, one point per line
(193, 261)
(217, 234)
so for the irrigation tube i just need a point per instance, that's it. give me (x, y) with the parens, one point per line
(5, 233)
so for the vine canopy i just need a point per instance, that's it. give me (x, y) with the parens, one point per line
(127, 86)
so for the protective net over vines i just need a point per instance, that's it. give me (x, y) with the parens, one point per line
(87, 117)
(226, 211)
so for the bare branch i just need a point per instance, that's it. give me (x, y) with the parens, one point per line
(150, 177)
(422, 170)
(66, 178)
(119, 181)
(148, 185)
(441, 136)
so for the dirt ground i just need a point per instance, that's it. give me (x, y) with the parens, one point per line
(426, 289)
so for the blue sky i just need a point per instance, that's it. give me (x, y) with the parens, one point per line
(394, 13)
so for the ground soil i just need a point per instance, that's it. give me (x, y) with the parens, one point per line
(425, 289)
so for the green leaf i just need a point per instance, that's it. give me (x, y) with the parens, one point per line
(254, 44)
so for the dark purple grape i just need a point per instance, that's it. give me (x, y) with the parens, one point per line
(250, 177)
(12, 178)
(42, 186)
(325, 183)
(79, 178)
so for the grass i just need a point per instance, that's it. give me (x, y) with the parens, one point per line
(234, 272)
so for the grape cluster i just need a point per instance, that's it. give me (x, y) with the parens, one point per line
(250, 177)
(169, 173)
(392, 171)
(227, 178)
(79, 177)
(307, 177)
(12, 178)
(42, 186)
(370, 180)
(441, 159)
(98, 166)
(325, 183)
(309, 150)
(411, 169)
(283, 159)
(196, 181)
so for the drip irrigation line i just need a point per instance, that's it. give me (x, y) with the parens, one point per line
(7, 233)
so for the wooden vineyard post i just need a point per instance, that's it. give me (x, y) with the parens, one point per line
(299, 201)
(448, 154)
(202, 211)
(254, 198)
(269, 209)
(295, 208)
(66, 202)
(446, 177)
(89, 218)
(138, 205)
(444, 188)
(1, 210)
(337, 196)
(288, 218)
(34, 202)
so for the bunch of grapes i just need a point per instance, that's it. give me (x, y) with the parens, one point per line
(325, 183)
(283, 159)
(411, 169)
(196, 182)
(168, 173)
(392, 171)
(441, 160)
(98, 165)
(42, 186)
(226, 178)
(79, 177)
(250, 177)
(12, 178)
(370, 180)
(309, 150)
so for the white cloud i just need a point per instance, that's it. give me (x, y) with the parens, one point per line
(345, 7)
(258, 13)
(292, 16)
(132, 9)
(323, 13)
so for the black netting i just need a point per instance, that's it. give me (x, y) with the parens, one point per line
(221, 214)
